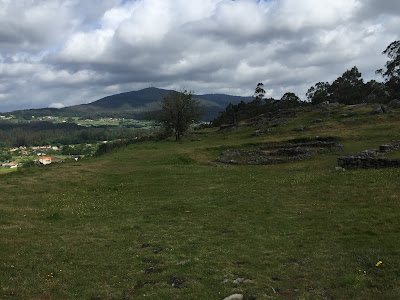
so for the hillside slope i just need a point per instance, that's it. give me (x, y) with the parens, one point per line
(133, 104)
(156, 220)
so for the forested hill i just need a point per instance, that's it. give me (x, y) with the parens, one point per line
(134, 104)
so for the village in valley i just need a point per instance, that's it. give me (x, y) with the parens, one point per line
(43, 155)
(44, 140)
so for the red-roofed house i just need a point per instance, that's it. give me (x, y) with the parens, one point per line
(45, 160)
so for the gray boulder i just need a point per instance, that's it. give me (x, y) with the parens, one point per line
(385, 148)
(234, 297)
(258, 132)
(338, 169)
(379, 109)
(261, 132)
(348, 114)
(317, 121)
(334, 104)
(241, 280)
(394, 103)
(361, 105)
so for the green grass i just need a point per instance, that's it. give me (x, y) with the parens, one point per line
(130, 224)
(6, 170)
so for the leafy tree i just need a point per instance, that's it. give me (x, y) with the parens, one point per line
(289, 100)
(68, 150)
(255, 107)
(231, 113)
(4, 156)
(392, 72)
(375, 92)
(259, 92)
(318, 93)
(348, 88)
(178, 111)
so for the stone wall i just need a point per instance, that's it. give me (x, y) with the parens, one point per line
(277, 154)
(359, 162)
(260, 157)
(316, 144)
(371, 159)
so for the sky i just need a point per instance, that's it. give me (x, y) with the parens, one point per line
(66, 52)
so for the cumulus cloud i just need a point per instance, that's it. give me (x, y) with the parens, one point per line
(67, 52)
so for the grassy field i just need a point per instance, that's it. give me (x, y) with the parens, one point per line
(6, 170)
(156, 221)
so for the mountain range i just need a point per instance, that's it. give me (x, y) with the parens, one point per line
(133, 104)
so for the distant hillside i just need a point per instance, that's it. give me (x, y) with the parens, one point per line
(133, 105)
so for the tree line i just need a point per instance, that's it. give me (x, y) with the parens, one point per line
(349, 88)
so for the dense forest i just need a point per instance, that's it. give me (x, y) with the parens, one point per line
(48, 133)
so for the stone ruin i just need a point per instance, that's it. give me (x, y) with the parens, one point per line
(277, 153)
(371, 159)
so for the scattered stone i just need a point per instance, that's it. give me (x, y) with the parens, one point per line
(228, 127)
(237, 280)
(176, 281)
(351, 114)
(334, 104)
(152, 270)
(261, 132)
(241, 280)
(316, 121)
(158, 250)
(140, 284)
(350, 122)
(327, 115)
(348, 114)
(214, 164)
(338, 169)
(234, 297)
(300, 128)
(258, 132)
(275, 278)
